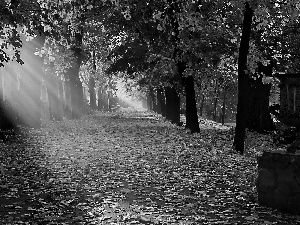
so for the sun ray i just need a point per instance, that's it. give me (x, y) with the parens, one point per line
(21, 86)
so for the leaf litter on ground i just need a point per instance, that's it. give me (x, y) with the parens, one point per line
(131, 168)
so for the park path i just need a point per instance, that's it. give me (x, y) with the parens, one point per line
(128, 168)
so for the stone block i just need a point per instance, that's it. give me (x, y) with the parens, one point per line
(273, 199)
(278, 181)
(294, 204)
(266, 180)
(281, 163)
(297, 175)
(286, 181)
(266, 161)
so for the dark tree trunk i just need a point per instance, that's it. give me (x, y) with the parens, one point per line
(61, 97)
(224, 106)
(172, 105)
(149, 102)
(52, 84)
(215, 110)
(92, 85)
(101, 99)
(168, 103)
(202, 105)
(92, 93)
(176, 107)
(216, 101)
(105, 103)
(259, 116)
(153, 100)
(161, 103)
(192, 122)
(113, 102)
(159, 99)
(52, 94)
(243, 80)
(67, 103)
(76, 89)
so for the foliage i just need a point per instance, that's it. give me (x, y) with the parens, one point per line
(131, 167)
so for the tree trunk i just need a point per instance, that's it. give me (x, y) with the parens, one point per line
(163, 103)
(215, 109)
(76, 89)
(172, 105)
(61, 97)
(202, 105)
(243, 79)
(168, 103)
(92, 85)
(153, 100)
(67, 103)
(259, 117)
(216, 101)
(191, 115)
(100, 99)
(92, 93)
(159, 100)
(76, 92)
(105, 102)
(149, 102)
(224, 106)
(176, 107)
(113, 102)
(52, 84)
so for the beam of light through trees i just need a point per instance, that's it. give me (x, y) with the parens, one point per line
(21, 85)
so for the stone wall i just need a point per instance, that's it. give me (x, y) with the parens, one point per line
(278, 182)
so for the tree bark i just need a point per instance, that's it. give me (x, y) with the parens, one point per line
(172, 105)
(105, 101)
(168, 103)
(191, 115)
(92, 93)
(67, 103)
(202, 105)
(100, 99)
(113, 102)
(159, 100)
(92, 85)
(243, 80)
(161, 103)
(61, 97)
(52, 84)
(149, 102)
(224, 106)
(216, 99)
(153, 100)
(259, 117)
(76, 88)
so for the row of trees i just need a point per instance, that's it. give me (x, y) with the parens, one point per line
(169, 48)
(178, 45)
